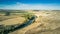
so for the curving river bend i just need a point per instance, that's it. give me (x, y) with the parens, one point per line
(13, 28)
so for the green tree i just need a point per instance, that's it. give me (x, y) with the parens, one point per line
(7, 13)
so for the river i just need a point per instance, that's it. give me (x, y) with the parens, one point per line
(12, 29)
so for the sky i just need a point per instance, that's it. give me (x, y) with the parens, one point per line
(30, 4)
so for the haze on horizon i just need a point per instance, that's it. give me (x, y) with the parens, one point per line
(30, 4)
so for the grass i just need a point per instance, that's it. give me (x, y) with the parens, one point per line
(46, 21)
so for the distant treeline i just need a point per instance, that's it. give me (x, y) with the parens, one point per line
(13, 11)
